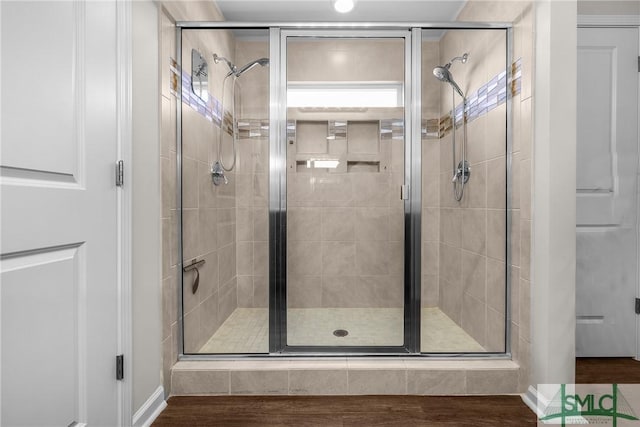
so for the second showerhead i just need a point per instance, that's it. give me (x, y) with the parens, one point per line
(263, 62)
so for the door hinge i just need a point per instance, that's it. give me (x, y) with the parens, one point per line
(120, 367)
(637, 305)
(639, 64)
(119, 173)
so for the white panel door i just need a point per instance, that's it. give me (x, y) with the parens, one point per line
(607, 173)
(58, 296)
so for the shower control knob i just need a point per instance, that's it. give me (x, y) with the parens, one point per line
(217, 174)
(461, 172)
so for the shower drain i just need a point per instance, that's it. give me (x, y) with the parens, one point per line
(340, 333)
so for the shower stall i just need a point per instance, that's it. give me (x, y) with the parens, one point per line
(341, 191)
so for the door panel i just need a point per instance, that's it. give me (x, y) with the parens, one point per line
(607, 158)
(58, 267)
(43, 318)
(40, 73)
(345, 168)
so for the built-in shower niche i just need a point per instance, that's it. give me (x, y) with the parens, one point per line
(339, 146)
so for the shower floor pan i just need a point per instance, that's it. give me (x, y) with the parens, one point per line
(247, 330)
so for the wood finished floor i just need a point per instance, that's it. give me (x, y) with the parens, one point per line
(591, 370)
(372, 411)
(365, 411)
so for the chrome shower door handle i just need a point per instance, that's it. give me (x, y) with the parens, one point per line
(196, 283)
(194, 266)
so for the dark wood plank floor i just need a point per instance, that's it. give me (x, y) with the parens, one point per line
(607, 370)
(353, 411)
(235, 411)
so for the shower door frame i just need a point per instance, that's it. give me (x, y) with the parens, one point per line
(412, 32)
(278, 193)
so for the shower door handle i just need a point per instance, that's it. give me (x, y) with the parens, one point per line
(194, 266)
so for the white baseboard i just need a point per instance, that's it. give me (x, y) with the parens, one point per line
(150, 410)
(530, 398)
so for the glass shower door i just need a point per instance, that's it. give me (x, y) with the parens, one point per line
(345, 159)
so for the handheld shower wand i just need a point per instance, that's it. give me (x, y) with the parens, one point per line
(219, 167)
(461, 171)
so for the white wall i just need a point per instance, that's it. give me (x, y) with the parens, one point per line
(145, 179)
(554, 171)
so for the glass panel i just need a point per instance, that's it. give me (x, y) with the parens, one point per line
(225, 213)
(464, 229)
(345, 166)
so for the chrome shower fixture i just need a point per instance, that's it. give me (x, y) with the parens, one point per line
(443, 74)
(234, 71)
(461, 169)
(462, 58)
(219, 167)
(263, 62)
(217, 60)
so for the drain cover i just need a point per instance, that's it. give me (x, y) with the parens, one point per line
(340, 333)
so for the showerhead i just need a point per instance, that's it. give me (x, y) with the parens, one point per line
(443, 74)
(234, 71)
(263, 62)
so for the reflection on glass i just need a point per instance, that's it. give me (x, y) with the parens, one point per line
(199, 76)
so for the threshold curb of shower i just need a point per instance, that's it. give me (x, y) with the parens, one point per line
(480, 357)
(344, 363)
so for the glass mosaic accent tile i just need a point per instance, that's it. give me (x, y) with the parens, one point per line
(486, 98)
(480, 102)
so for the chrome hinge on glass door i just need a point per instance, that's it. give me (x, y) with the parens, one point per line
(404, 192)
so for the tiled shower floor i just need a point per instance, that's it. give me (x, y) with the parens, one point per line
(247, 330)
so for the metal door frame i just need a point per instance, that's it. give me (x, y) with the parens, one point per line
(278, 194)
(412, 33)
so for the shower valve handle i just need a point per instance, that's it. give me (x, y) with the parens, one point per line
(461, 171)
(217, 174)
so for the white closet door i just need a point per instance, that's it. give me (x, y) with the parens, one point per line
(58, 255)
(607, 173)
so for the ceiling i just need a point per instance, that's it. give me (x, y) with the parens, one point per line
(322, 10)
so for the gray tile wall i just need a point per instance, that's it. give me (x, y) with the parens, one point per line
(252, 174)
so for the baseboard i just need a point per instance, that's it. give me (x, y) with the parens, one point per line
(530, 398)
(150, 410)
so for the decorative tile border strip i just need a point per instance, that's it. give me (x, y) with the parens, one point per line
(391, 129)
(210, 109)
(430, 129)
(486, 98)
(253, 128)
(337, 130)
